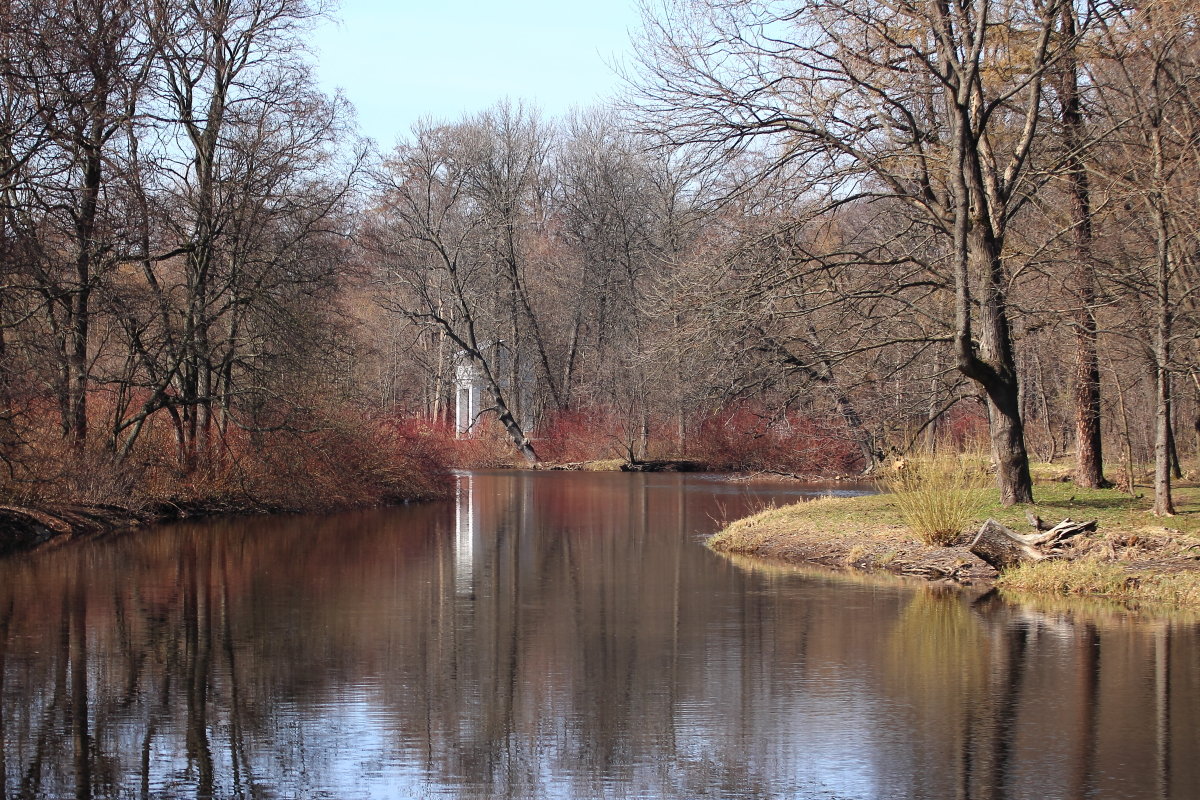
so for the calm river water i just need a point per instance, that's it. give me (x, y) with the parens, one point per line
(560, 635)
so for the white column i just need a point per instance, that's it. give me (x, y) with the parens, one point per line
(475, 404)
(462, 410)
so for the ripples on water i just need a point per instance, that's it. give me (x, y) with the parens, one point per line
(560, 636)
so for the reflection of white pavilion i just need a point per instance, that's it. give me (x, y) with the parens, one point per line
(466, 536)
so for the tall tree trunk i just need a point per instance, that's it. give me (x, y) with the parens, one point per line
(1089, 459)
(78, 333)
(1163, 503)
(977, 249)
(1173, 449)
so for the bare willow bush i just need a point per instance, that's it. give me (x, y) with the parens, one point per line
(939, 494)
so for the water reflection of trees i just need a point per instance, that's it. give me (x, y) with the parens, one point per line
(561, 639)
(1039, 711)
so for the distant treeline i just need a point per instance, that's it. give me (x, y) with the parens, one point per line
(812, 234)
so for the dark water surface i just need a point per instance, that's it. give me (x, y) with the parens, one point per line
(559, 635)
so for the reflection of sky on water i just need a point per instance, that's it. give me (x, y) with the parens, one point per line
(559, 636)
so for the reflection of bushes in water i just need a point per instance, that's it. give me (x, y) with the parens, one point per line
(938, 646)
(1103, 612)
(172, 625)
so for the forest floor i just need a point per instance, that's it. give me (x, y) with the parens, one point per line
(1133, 558)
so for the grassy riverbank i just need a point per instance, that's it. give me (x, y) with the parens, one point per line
(1134, 557)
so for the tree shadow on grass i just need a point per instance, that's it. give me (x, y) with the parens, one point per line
(1102, 504)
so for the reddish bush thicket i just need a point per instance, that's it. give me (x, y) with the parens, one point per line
(342, 459)
(579, 435)
(742, 439)
(345, 462)
(736, 439)
(339, 460)
(964, 425)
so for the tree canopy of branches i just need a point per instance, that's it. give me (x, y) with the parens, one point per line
(935, 105)
(174, 197)
(864, 224)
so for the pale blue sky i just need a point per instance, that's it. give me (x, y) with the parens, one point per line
(399, 61)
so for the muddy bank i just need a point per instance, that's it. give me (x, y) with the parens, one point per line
(1132, 558)
(25, 528)
(887, 553)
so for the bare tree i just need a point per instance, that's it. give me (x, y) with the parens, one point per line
(622, 218)
(852, 101)
(80, 67)
(1146, 73)
(435, 244)
(245, 188)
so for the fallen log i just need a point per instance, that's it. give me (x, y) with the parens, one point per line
(1036, 521)
(1059, 533)
(1002, 548)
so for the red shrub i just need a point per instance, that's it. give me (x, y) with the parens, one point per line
(964, 424)
(349, 461)
(579, 435)
(745, 439)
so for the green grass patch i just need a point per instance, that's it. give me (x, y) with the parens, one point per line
(1112, 509)
(829, 518)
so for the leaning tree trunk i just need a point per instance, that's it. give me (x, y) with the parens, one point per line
(506, 416)
(992, 363)
(514, 430)
(977, 243)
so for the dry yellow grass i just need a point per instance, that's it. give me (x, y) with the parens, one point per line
(939, 494)
(1091, 577)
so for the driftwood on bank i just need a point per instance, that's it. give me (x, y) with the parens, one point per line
(665, 465)
(1060, 533)
(1036, 521)
(1004, 548)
